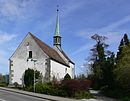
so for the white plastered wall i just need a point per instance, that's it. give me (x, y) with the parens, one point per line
(19, 60)
(58, 70)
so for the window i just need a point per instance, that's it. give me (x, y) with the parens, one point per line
(54, 40)
(11, 63)
(30, 54)
(65, 70)
(57, 40)
(12, 71)
(27, 43)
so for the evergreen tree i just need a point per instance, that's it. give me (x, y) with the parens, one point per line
(29, 77)
(99, 61)
(126, 40)
(103, 64)
(108, 72)
(120, 49)
(122, 70)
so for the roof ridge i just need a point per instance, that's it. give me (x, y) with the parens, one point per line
(52, 53)
(39, 40)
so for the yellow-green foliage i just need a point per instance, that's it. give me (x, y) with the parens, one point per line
(122, 70)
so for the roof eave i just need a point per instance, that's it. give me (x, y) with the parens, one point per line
(60, 62)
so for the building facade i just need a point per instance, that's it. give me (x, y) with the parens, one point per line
(34, 54)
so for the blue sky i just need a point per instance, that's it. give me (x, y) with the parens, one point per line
(79, 20)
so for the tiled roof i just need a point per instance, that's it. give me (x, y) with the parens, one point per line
(66, 57)
(49, 51)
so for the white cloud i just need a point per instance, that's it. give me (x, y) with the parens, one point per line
(6, 40)
(10, 9)
(71, 7)
(16, 9)
(86, 33)
(4, 37)
(114, 37)
(3, 58)
(117, 24)
(83, 48)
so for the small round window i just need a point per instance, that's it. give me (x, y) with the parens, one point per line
(27, 43)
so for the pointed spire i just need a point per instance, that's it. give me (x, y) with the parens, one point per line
(57, 37)
(57, 30)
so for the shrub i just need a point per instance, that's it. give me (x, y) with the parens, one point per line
(72, 86)
(29, 88)
(117, 93)
(67, 88)
(44, 88)
(126, 98)
(83, 94)
(3, 84)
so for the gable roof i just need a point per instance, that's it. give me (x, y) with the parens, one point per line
(66, 57)
(63, 53)
(49, 51)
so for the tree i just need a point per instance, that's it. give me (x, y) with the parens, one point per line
(126, 39)
(124, 42)
(29, 77)
(99, 54)
(103, 63)
(120, 49)
(98, 49)
(108, 71)
(122, 71)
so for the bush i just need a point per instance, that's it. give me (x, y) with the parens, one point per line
(50, 89)
(73, 86)
(126, 98)
(67, 88)
(83, 94)
(44, 88)
(116, 93)
(3, 84)
(29, 88)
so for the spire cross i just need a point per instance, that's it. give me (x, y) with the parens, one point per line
(57, 8)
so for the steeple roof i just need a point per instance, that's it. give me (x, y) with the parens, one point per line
(57, 30)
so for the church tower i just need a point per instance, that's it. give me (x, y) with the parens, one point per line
(57, 37)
